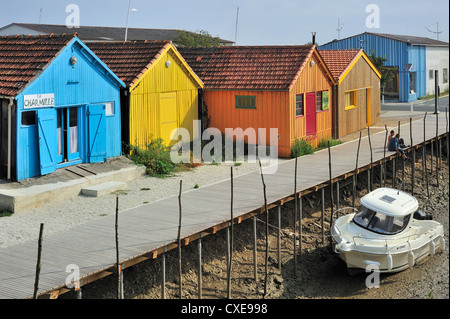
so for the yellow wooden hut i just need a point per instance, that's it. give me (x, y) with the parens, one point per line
(356, 92)
(161, 93)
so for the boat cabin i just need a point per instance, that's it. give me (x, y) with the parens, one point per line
(386, 211)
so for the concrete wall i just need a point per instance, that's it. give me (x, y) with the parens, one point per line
(437, 59)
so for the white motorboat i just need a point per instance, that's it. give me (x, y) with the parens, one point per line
(387, 231)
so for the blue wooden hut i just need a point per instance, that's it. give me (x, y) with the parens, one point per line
(406, 53)
(60, 106)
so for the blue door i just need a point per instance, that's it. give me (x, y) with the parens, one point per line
(97, 133)
(47, 140)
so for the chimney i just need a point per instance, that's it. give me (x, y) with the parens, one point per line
(313, 38)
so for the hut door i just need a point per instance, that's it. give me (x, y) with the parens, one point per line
(168, 115)
(97, 133)
(368, 108)
(310, 114)
(67, 134)
(47, 140)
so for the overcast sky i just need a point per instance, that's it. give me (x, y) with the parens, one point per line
(260, 22)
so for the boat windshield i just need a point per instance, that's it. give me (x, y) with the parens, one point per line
(380, 223)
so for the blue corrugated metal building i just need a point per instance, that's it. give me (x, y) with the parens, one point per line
(62, 103)
(408, 53)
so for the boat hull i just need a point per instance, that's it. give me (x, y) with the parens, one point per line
(392, 261)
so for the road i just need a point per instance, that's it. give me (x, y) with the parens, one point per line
(418, 106)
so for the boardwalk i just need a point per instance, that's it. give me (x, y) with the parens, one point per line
(145, 231)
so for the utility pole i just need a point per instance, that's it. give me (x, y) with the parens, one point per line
(437, 30)
(128, 16)
(436, 92)
(236, 30)
(339, 29)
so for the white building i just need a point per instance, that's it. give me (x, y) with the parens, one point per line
(437, 59)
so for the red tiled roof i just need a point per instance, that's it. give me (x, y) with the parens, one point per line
(128, 60)
(338, 60)
(248, 67)
(22, 58)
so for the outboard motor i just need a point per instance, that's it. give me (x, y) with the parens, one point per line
(421, 215)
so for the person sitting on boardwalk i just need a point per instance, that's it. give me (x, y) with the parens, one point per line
(401, 143)
(391, 135)
(394, 146)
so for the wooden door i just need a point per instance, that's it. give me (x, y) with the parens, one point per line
(47, 140)
(97, 133)
(368, 108)
(168, 116)
(310, 114)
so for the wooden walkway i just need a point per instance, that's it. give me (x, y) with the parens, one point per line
(146, 231)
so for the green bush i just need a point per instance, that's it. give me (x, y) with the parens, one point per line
(324, 143)
(155, 157)
(300, 148)
(5, 213)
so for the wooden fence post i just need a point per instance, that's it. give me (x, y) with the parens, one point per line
(331, 191)
(267, 230)
(255, 251)
(118, 265)
(355, 176)
(323, 214)
(446, 138)
(425, 156)
(163, 274)
(232, 233)
(200, 268)
(300, 223)
(279, 237)
(424, 149)
(413, 159)
(394, 179)
(295, 218)
(38, 262)
(371, 160)
(437, 150)
(384, 157)
(179, 240)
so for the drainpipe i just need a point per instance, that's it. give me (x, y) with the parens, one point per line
(11, 102)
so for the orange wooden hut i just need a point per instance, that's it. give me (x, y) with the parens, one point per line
(283, 87)
(356, 92)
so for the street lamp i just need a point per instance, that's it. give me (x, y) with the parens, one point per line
(128, 16)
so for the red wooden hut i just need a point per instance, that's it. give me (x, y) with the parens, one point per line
(284, 87)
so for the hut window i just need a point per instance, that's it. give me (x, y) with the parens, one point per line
(350, 100)
(29, 118)
(245, 102)
(299, 105)
(109, 109)
(445, 75)
(73, 129)
(318, 101)
(325, 105)
(413, 82)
